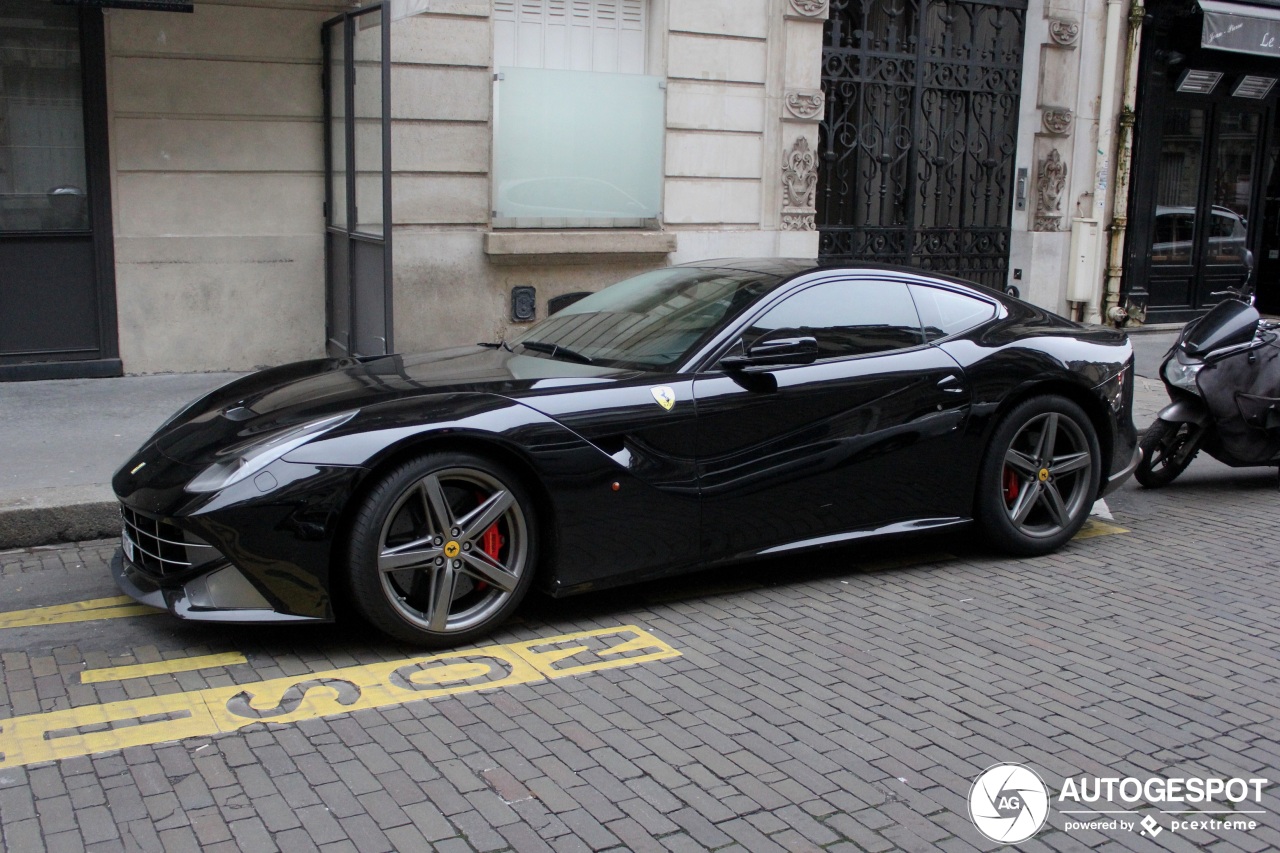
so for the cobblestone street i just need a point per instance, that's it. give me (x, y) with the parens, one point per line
(845, 702)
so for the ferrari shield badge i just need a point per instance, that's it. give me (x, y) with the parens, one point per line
(664, 395)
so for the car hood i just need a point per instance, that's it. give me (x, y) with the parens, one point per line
(293, 394)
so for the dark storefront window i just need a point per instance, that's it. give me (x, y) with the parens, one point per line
(43, 183)
(1178, 187)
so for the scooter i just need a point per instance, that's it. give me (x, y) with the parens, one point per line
(1223, 378)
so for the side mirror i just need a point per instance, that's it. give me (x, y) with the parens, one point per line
(784, 348)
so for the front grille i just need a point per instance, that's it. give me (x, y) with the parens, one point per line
(154, 545)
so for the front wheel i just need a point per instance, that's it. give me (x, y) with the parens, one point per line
(443, 549)
(1166, 453)
(1039, 477)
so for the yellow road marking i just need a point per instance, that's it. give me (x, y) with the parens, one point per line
(116, 607)
(142, 670)
(216, 710)
(1093, 527)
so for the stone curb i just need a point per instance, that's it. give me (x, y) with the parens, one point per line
(25, 527)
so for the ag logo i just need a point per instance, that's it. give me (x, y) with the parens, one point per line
(1008, 803)
(665, 396)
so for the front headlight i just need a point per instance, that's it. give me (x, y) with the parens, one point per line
(1182, 374)
(246, 459)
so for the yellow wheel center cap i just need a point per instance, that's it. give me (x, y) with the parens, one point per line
(452, 549)
(1044, 475)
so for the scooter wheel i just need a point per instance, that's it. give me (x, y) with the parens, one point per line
(1162, 459)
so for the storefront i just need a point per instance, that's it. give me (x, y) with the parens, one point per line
(1205, 208)
(57, 299)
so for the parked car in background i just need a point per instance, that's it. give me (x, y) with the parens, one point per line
(1227, 239)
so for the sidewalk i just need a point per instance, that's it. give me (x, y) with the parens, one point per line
(62, 440)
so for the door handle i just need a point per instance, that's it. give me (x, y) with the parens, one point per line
(946, 382)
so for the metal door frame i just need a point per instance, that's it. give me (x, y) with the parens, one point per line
(347, 21)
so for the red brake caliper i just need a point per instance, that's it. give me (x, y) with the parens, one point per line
(1010, 485)
(491, 543)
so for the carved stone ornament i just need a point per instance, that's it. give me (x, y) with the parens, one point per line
(1050, 185)
(804, 103)
(1064, 32)
(1058, 120)
(799, 178)
(798, 222)
(810, 8)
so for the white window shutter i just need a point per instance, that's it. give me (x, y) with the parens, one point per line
(504, 33)
(631, 37)
(579, 35)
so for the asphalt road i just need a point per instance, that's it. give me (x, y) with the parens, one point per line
(1149, 349)
(846, 701)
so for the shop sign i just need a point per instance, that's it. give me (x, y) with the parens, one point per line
(1242, 29)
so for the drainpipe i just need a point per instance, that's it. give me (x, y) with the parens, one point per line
(1112, 310)
(1084, 275)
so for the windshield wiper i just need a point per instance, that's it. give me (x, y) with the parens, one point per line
(556, 351)
(495, 345)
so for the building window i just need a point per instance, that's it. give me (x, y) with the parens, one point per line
(43, 182)
(578, 126)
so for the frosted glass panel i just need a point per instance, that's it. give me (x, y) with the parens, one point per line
(577, 148)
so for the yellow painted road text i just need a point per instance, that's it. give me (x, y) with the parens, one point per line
(92, 729)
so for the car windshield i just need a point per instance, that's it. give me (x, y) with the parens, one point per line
(651, 322)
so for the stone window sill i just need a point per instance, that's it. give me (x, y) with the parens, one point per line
(574, 247)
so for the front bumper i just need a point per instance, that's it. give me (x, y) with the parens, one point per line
(1117, 479)
(258, 551)
(192, 599)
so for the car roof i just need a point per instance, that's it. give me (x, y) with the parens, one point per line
(787, 268)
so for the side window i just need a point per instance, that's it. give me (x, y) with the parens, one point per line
(847, 318)
(945, 312)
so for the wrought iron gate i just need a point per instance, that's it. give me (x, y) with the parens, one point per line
(917, 143)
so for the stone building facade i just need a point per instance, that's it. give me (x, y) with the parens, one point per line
(260, 181)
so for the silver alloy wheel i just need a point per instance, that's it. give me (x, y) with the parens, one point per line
(1046, 475)
(452, 550)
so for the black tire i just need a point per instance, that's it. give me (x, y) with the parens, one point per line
(443, 549)
(1162, 446)
(1039, 477)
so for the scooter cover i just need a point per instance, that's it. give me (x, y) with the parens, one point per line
(1243, 395)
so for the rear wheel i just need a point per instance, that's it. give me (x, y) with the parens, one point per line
(1166, 453)
(443, 549)
(1039, 477)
